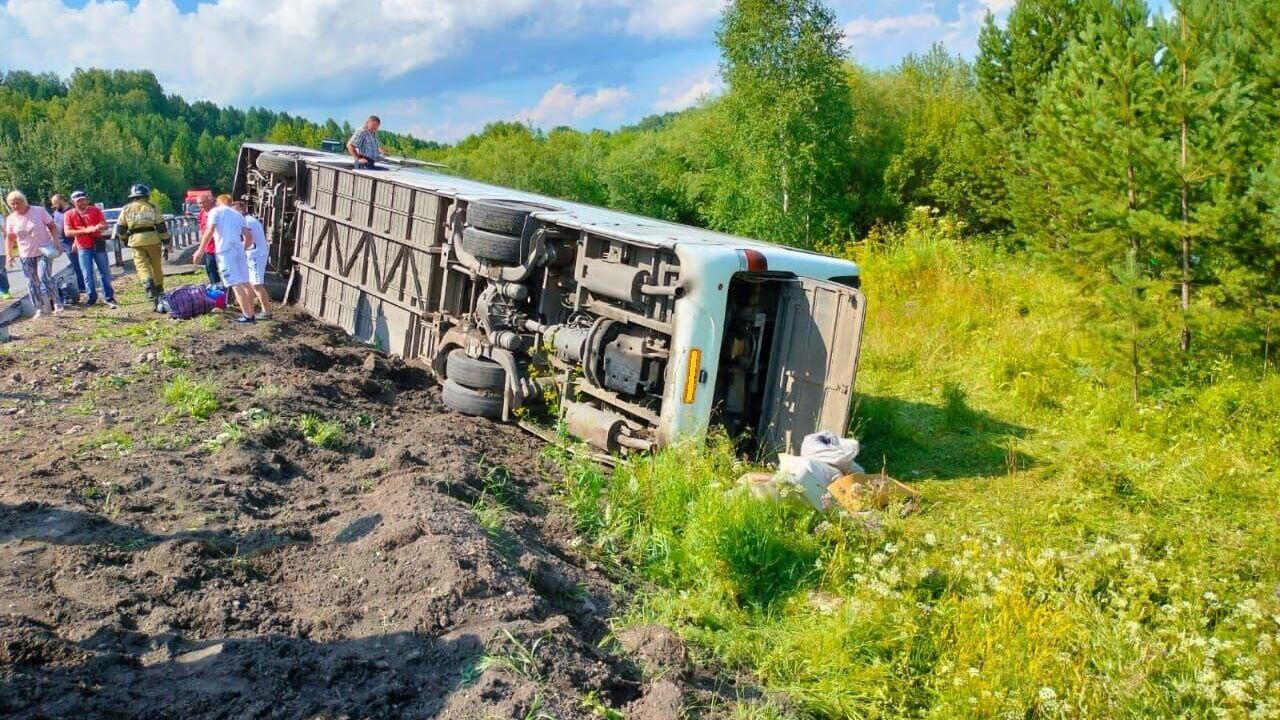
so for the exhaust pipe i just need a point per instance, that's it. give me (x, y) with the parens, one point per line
(601, 428)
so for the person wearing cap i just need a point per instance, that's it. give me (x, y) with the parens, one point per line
(232, 240)
(142, 226)
(86, 226)
(58, 208)
(31, 231)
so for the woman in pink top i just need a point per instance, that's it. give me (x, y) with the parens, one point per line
(32, 228)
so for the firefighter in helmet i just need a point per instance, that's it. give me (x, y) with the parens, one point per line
(142, 226)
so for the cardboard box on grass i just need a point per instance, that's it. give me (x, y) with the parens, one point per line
(865, 491)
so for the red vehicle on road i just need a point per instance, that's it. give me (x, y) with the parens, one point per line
(191, 203)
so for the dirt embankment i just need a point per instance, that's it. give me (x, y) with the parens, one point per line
(393, 560)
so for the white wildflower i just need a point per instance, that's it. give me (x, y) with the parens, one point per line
(1235, 690)
(891, 576)
(1264, 644)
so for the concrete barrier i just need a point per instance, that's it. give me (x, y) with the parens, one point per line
(21, 307)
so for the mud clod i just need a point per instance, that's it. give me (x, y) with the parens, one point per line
(658, 650)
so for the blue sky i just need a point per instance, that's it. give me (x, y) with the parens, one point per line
(443, 68)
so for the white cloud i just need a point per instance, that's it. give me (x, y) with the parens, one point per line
(688, 90)
(443, 118)
(998, 6)
(244, 50)
(883, 41)
(562, 105)
(672, 18)
(864, 27)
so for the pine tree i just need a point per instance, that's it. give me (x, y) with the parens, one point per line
(1013, 65)
(1205, 105)
(1088, 191)
(1255, 230)
(1016, 61)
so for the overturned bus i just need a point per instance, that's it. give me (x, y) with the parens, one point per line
(647, 331)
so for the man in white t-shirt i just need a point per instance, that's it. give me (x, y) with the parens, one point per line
(257, 256)
(231, 240)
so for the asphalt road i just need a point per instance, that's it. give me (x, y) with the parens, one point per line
(18, 281)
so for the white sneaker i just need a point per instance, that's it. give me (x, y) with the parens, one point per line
(39, 313)
(57, 310)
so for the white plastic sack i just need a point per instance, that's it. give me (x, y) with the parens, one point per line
(811, 477)
(837, 452)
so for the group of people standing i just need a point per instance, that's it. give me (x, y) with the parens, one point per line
(34, 237)
(233, 248)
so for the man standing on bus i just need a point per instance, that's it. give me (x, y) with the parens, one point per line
(364, 147)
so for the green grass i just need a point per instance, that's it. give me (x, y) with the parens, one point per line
(1073, 555)
(111, 443)
(323, 433)
(231, 434)
(139, 333)
(169, 357)
(187, 397)
(496, 497)
(207, 323)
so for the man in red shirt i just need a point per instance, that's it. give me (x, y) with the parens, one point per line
(86, 226)
(210, 259)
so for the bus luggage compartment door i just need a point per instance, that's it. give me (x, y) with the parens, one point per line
(815, 352)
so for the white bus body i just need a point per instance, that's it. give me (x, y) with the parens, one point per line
(647, 331)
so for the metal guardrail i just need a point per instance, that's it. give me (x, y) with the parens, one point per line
(183, 233)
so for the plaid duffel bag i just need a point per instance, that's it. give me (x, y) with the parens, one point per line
(189, 301)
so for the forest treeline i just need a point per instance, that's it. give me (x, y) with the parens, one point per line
(103, 130)
(1137, 152)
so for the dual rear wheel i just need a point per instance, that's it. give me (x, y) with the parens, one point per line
(495, 231)
(473, 386)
